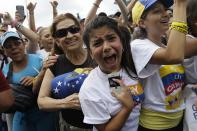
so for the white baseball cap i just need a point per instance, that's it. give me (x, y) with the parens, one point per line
(7, 35)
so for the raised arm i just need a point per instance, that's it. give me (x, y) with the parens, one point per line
(32, 36)
(31, 8)
(92, 12)
(124, 11)
(130, 5)
(174, 52)
(54, 5)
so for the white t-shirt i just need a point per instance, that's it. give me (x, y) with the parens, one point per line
(98, 105)
(162, 83)
(43, 54)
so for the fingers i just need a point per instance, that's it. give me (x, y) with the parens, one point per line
(55, 2)
(49, 61)
(120, 82)
(35, 4)
(72, 101)
(27, 81)
(31, 6)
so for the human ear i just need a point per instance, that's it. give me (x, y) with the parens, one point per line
(142, 23)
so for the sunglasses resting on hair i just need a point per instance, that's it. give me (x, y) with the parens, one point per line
(64, 32)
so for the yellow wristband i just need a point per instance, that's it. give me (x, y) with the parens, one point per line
(180, 29)
(180, 24)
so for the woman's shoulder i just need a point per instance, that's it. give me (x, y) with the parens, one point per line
(143, 42)
(92, 83)
(93, 77)
(34, 56)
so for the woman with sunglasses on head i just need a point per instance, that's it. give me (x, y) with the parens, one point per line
(68, 36)
(158, 65)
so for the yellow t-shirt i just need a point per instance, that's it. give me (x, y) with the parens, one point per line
(159, 120)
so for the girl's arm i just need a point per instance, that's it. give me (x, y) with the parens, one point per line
(124, 11)
(92, 12)
(174, 52)
(31, 8)
(54, 5)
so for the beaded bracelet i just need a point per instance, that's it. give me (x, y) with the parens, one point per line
(19, 26)
(177, 28)
(180, 26)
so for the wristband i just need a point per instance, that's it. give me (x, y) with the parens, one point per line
(179, 26)
(180, 29)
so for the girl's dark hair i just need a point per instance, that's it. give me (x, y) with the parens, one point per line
(191, 13)
(121, 31)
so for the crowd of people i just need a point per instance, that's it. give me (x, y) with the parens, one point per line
(135, 70)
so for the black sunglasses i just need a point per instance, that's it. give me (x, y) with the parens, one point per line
(64, 32)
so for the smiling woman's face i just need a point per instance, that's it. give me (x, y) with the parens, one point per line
(68, 35)
(106, 49)
(156, 22)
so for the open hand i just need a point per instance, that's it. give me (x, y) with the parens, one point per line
(124, 95)
(7, 19)
(72, 102)
(27, 81)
